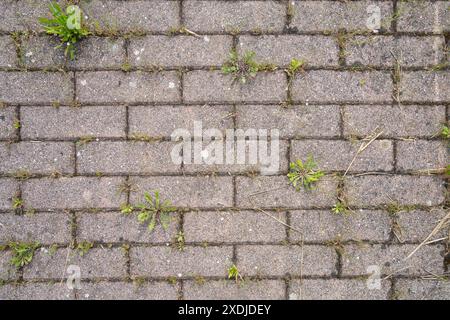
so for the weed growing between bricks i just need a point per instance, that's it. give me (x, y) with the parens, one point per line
(140, 75)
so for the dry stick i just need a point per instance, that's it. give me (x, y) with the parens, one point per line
(276, 219)
(435, 230)
(361, 149)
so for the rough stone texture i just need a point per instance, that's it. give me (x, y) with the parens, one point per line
(422, 155)
(73, 193)
(166, 51)
(8, 56)
(337, 155)
(132, 16)
(7, 118)
(268, 162)
(424, 86)
(120, 87)
(416, 225)
(423, 16)
(322, 225)
(298, 121)
(95, 52)
(334, 15)
(410, 121)
(356, 259)
(46, 228)
(218, 16)
(124, 157)
(127, 291)
(336, 289)
(274, 192)
(52, 266)
(293, 260)
(229, 290)
(280, 50)
(7, 270)
(36, 87)
(111, 227)
(192, 261)
(8, 189)
(342, 86)
(378, 190)
(230, 226)
(162, 121)
(37, 157)
(407, 289)
(202, 86)
(36, 291)
(151, 67)
(382, 51)
(196, 192)
(72, 123)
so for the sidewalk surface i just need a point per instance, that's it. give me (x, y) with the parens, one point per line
(79, 140)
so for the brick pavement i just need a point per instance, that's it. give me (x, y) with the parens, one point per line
(69, 150)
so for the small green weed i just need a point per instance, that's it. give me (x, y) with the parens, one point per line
(17, 203)
(294, 67)
(233, 273)
(445, 132)
(304, 173)
(68, 26)
(179, 241)
(84, 247)
(126, 208)
(243, 68)
(23, 253)
(154, 210)
(340, 208)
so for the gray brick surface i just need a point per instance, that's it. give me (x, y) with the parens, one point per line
(135, 16)
(334, 15)
(22, 15)
(337, 155)
(45, 228)
(280, 50)
(53, 266)
(236, 16)
(7, 118)
(336, 289)
(127, 291)
(323, 225)
(36, 291)
(8, 56)
(421, 155)
(202, 86)
(281, 260)
(73, 193)
(229, 290)
(192, 261)
(242, 226)
(113, 227)
(162, 121)
(391, 259)
(72, 123)
(166, 51)
(120, 87)
(407, 289)
(416, 225)
(8, 189)
(124, 157)
(423, 16)
(196, 192)
(297, 121)
(342, 86)
(274, 192)
(382, 51)
(378, 190)
(7, 270)
(92, 52)
(410, 121)
(37, 157)
(422, 86)
(36, 87)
